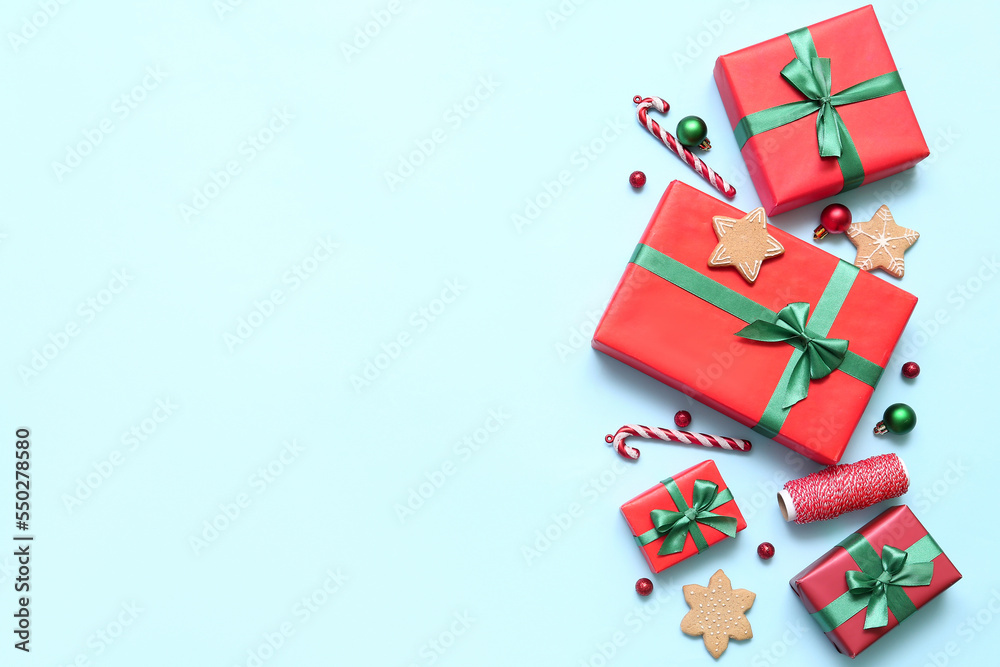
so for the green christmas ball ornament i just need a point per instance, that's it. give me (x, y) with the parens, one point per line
(693, 132)
(898, 418)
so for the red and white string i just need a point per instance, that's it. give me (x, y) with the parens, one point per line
(637, 430)
(844, 488)
(702, 169)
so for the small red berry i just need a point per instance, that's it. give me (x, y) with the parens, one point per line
(911, 369)
(765, 550)
(683, 419)
(644, 587)
(637, 179)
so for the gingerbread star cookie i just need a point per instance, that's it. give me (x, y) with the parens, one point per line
(744, 243)
(881, 242)
(717, 613)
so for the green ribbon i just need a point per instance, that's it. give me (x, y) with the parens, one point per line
(823, 315)
(674, 526)
(810, 75)
(821, 355)
(878, 586)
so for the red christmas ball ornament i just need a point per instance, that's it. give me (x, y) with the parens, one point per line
(637, 179)
(644, 587)
(835, 219)
(911, 369)
(682, 419)
(765, 550)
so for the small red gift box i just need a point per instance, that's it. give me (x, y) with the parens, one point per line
(846, 119)
(866, 585)
(658, 323)
(683, 515)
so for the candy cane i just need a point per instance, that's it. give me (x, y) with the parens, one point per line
(629, 430)
(702, 169)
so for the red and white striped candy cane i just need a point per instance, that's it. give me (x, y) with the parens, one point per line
(702, 169)
(628, 430)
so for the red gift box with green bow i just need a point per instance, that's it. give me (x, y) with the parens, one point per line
(819, 110)
(795, 355)
(683, 515)
(874, 579)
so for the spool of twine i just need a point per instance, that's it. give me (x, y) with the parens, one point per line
(843, 488)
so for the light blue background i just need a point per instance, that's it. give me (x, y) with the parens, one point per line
(515, 339)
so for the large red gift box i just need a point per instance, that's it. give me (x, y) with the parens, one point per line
(690, 344)
(907, 584)
(784, 161)
(701, 482)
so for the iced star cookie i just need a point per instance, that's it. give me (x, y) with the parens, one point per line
(744, 243)
(881, 242)
(717, 613)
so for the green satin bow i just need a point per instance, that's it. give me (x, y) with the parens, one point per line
(884, 589)
(824, 313)
(821, 355)
(810, 75)
(878, 586)
(674, 526)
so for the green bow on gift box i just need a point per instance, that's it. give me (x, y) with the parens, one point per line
(815, 356)
(674, 526)
(821, 355)
(883, 590)
(878, 586)
(810, 75)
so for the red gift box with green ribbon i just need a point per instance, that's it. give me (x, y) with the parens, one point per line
(683, 515)
(819, 110)
(874, 579)
(795, 355)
